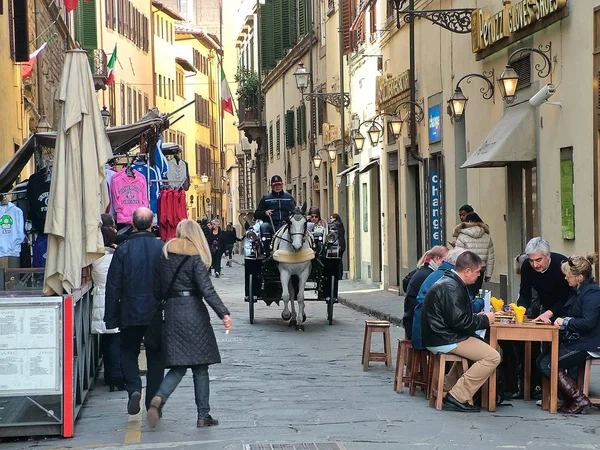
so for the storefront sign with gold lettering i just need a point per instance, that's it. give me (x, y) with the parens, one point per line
(391, 90)
(488, 29)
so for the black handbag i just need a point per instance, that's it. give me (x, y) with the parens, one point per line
(153, 336)
(568, 337)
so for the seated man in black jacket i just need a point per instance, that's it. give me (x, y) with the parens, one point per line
(275, 206)
(542, 272)
(448, 325)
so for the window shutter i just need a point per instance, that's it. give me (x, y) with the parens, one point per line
(278, 131)
(120, 16)
(266, 36)
(299, 125)
(277, 29)
(289, 129)
(303, 109)
(293, 24)
(271, 140)
(321, 114)
(107, 11)
(85, 25)
(303, 17)
(114, 16)
(288, 34)
(347, 7)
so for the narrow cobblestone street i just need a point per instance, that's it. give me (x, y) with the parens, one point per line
(277, 385)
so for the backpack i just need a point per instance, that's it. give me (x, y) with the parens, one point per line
(407, 278)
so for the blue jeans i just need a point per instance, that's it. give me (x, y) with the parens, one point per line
(567, 359)
(201, 386)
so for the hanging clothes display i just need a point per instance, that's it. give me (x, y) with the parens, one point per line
(178, 174)
(38, 194)
(40, 251)
(108, 173)
(172, 209)
(151, 175)
(129, 191)
(12, 230)
(160, 162)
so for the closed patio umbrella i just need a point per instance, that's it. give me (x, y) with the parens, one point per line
(78, 191)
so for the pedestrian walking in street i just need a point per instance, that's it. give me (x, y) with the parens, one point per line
(182, 283)
(474, 235)
(579, 331)
(216, 244)
(109, 338)
(448, 325)
(131, 306)
(315, 221)
(433, 259)
(336, 224)
(463, 211)
(230, 238)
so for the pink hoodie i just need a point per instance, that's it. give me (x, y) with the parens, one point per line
(127, 194)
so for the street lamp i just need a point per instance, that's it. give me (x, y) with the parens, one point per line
(331, 152)
(302, 76)
(509, 79)
(458, 102)
(43, 125)
(105, 116)
(204, 178)
(359, 141)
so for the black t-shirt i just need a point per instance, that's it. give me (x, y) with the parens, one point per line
(38, 192)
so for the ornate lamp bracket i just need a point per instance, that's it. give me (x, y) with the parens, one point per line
(543, 69)
(455, 20)
(333, 98)
(487, 91)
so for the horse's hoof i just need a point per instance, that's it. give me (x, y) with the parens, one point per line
(285, 316)
(293, 323)
(303, 318)
(300, 327)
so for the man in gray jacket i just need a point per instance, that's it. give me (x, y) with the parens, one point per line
(131, 306)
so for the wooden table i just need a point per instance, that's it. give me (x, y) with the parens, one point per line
(528, 333)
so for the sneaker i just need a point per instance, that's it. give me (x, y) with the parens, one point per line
(133, 405)
(207, 421)
(217, 275)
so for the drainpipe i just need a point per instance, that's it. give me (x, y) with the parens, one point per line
(413, 87)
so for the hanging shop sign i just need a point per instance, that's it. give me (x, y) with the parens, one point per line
(391, 90)
(515, 20)
(435, 224)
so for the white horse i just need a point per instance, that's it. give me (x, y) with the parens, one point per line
(294, 253)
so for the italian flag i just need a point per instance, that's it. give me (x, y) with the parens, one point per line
(111, 67)
(226, 99)
(27, 67)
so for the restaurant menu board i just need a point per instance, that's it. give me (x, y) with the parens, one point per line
(30, 346)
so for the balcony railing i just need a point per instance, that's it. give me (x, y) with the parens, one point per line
(97, 59)
(248, 112)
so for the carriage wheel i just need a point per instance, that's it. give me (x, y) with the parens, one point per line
(251, 298)
(331, 301)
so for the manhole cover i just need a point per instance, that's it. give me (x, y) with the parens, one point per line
(305, 446)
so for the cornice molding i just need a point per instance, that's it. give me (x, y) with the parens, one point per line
(287, 62)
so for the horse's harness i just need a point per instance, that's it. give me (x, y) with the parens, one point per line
(279, 236)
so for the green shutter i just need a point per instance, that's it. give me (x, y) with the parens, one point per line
(288, 32)
(293, 24)
(299, 125)
(303, 110)
(277, 29)
(301, 17)
(85, 25)
(289, 129)
(271, 140)
(278, 131)
(266, 36)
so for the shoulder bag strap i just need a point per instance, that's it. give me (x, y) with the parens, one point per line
(175, 275)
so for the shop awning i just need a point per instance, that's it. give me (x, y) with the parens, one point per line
(370, 165)
(511, 140)
(339, 176)
(117, 135)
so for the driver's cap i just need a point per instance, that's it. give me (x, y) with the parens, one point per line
(276, 179)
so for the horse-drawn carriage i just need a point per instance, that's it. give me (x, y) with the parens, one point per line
(280, 266)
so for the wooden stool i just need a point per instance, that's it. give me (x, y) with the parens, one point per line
(584, 375)
(374, 326)
(417, 375)
(436, 394)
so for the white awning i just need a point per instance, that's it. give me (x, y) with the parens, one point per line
(370, 165)
(339, 176)
(511, 140)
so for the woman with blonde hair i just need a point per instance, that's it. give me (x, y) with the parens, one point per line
(181, 284)
(579, 331)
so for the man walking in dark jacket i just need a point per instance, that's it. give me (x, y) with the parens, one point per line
(131, 305)
(448, 325)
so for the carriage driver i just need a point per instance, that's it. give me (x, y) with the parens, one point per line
(277, 204)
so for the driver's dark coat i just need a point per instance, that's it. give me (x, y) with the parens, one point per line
(282, 204)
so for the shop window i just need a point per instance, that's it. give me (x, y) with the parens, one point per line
(567, 181)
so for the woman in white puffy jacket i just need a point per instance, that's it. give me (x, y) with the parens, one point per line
(474, 235)
(110, 339)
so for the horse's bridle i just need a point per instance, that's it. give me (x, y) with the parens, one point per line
(287, 224)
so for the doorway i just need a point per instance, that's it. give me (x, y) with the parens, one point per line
(414, 224)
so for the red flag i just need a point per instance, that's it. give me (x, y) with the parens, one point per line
(71, 5)
(27, 67)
